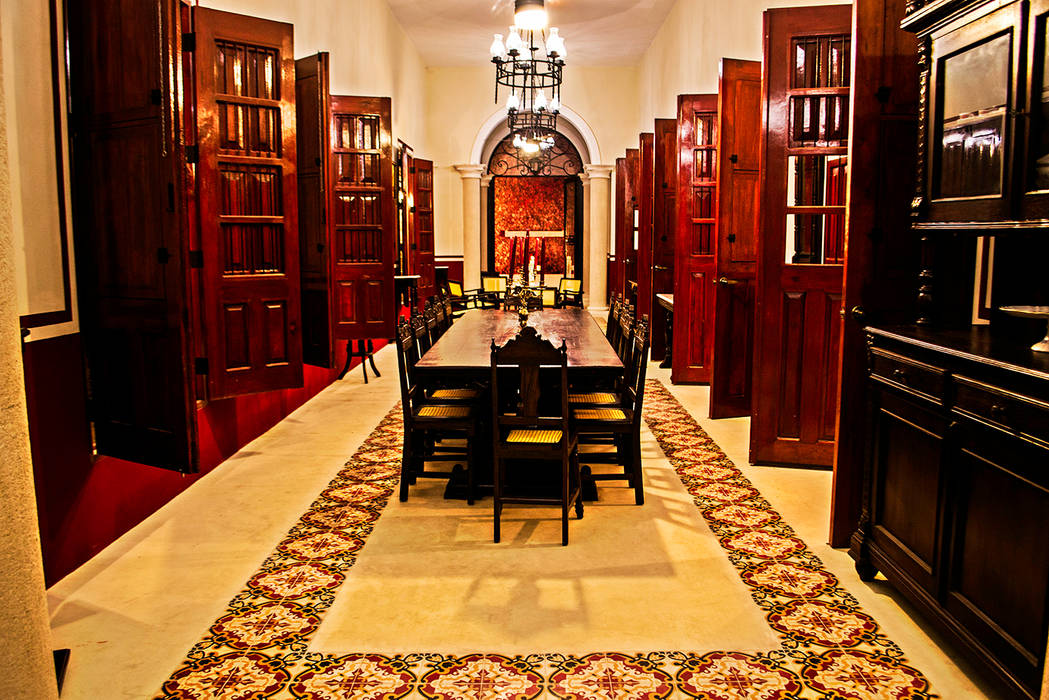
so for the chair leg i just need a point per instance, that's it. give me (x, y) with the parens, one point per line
(470, 453)
(635, 466)
(578, 486)
(497, 495)
(406, 467)
(565, 468)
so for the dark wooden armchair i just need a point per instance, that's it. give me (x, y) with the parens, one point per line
(521, 436)
(569, 292)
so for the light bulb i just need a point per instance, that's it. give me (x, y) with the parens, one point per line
(517, 141)
(540, 101)
(562, 50)
(530, 147)
(513, 102)
(554, 43)
(514, 42)
(555, 105)
(498, 50)
(530, 15)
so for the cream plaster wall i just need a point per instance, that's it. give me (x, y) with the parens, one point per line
(684, 56)
(370, 52)
(461, 98)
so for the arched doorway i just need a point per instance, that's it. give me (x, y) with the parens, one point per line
(535, 222)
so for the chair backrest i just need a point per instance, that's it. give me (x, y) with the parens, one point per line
(407, 356)
(548, 295)
(612, 323)
(455, 289)
(634, 389)
(626, 333)
(494, 283)
(447, 310)
(434, 325)
(570, 285)
(528, 352)
(422, 333)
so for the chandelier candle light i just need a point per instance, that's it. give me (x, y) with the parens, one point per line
(529, 63)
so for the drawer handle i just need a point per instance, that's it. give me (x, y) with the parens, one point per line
(899, 375)
(998, 412)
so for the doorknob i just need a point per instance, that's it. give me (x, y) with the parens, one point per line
(660, 268)
(726, 280)
(857, 313)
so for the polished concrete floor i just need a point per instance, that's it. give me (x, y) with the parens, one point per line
(132, 613)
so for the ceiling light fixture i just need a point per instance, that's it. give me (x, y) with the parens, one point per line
(530, 64)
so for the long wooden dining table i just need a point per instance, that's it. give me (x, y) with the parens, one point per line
(465, 350)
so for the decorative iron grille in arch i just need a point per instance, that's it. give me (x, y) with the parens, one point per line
(561, 159)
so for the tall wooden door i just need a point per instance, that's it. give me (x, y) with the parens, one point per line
(422, 198)
(664, 224)
(615, 281)
(697, 201)
(799, 284)
(130, 234)
(247, 195)
(626, 247)
(645, 201)
(313, 110)
(364, 239)
(881, 268)
(738, 227)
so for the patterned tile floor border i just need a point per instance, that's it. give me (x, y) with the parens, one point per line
(829, 647)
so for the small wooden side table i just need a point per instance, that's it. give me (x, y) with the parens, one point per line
(666, 301)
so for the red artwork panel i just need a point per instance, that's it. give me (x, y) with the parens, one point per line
(529, 204)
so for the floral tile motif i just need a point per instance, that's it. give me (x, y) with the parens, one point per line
(736, 676)
(610, 677)
(259, 648)
(481, 677)
(357, 676)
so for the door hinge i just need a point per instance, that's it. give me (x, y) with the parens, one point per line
(189, 41)
(196, 259)
(200, 365)
(192, 154)
(163, 256)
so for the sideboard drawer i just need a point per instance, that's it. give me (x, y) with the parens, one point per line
(1013, 413)
(916, 377)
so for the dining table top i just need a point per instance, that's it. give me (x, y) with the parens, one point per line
(467, 345)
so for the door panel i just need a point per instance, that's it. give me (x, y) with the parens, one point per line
(626, 251)
(615, 281)
(645, 205)
(248, 202)
(422, 197)
(364, 238)
(663, 226)
(312, 108)
(697, 202)
(133, 296)
(738, 226)
(800, 249)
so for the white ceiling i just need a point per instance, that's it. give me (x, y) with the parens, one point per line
(598, 32)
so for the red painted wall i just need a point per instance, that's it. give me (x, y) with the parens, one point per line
(85, 504)
(454, 265)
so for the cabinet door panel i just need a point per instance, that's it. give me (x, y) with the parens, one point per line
(422, 200)
(248, 202)
(999, 571)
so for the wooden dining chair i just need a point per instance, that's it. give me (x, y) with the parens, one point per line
(434, 323)
(493, 290)
(612, 320)
(625, 335)
(422, 333)
(622, 420)
(549, 297)
(429, 424)
(521, 436)
(569, 292)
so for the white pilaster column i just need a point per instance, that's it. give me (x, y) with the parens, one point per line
(25, 653)
(600, 206)
(471, 175)
(486, 182)
(582, 267)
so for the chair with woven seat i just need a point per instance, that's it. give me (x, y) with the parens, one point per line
(522, 436)
(434, 320)
(493, 289)
(625, 335)
(549, 297)
(612, 319)
(623, 421)
(422, 327)
(569, 292)
(429, 424)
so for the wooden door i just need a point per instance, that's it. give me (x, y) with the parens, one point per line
(626, 217)
(799, 284)
(247, 195)
(313, 112)
(422, 198)
(738, 227)
(364, 239)
(663, 226)
(881, 268)
(131, 240)
(645, 201)
(697, 200)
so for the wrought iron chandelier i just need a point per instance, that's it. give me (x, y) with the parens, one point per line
(529, 64)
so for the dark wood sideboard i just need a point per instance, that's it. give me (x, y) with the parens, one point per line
(956, 497)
